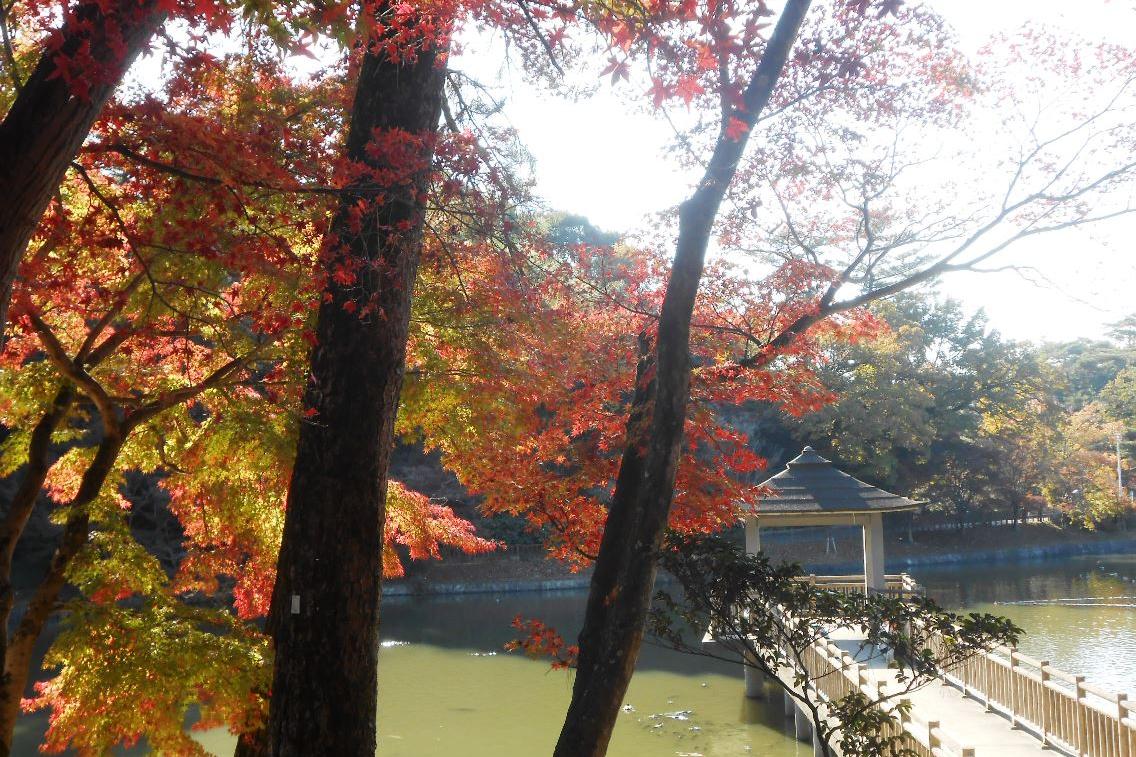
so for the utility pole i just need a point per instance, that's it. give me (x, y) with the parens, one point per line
(1119, 473)
(1120, 485)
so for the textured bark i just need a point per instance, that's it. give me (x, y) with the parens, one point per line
(620, 593)
(46, 125)
(325, 609)
(21, 646)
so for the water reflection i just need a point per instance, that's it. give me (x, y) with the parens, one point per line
(1096, 639)
(449, 689)
(446, 692)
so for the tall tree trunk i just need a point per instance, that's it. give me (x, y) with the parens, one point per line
(620, 593)
(20, 648)
(325, 608)
(47, 123)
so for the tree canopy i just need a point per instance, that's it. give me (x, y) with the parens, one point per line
(215, 289)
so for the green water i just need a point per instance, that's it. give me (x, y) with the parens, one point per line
(1097, 640)
(448, 689)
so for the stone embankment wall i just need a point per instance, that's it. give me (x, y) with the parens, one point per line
(423, 586)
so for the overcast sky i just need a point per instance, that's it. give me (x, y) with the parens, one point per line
(1082, 280)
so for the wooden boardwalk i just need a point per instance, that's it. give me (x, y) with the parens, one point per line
(998, 704)
(940, 715)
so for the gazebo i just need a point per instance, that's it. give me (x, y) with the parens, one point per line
(812, 492)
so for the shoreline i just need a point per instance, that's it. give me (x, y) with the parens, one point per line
(422, 586)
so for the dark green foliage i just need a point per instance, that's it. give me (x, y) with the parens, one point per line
(568, 229)
(912, 403)
(1119, 395)
(1085, 368)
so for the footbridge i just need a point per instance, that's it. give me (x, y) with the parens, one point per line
(1000, 703)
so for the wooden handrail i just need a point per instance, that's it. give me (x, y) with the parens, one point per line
(1061, 707)
(1064, 709)
(834, 673)
(899, 585)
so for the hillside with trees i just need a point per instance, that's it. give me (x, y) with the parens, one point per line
(943, 407)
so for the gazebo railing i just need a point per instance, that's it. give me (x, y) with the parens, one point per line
(899, 585)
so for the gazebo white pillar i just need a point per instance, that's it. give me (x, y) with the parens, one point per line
(753, 536)
(874, 576)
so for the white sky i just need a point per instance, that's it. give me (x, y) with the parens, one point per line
(1083, 280)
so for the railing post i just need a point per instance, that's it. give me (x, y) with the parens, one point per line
(932, 739)
(1014, 693)
(1044, 704)
(988, 667)
(1082, 722)
(1121, 736)
(964, 675)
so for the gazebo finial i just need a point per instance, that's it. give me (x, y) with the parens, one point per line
(808, 456)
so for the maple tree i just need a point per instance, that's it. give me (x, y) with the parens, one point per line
(247, 182)
(80, 63)
(63, 61)
(328, 574)
(203, 228)
(153, 314)
(839, 205)
(166, 331)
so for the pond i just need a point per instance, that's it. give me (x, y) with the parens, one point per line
(448, 688)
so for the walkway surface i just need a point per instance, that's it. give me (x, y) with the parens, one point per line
(966, 719)
(961, 719)
(963, 723)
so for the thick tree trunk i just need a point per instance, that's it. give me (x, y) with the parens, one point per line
(19, 652)
(620, 593)
(325, 609)
(47, 123)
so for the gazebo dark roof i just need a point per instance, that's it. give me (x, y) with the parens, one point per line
(810, 484)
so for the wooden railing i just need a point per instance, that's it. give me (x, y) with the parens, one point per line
(1064, 710)
(835, 674)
